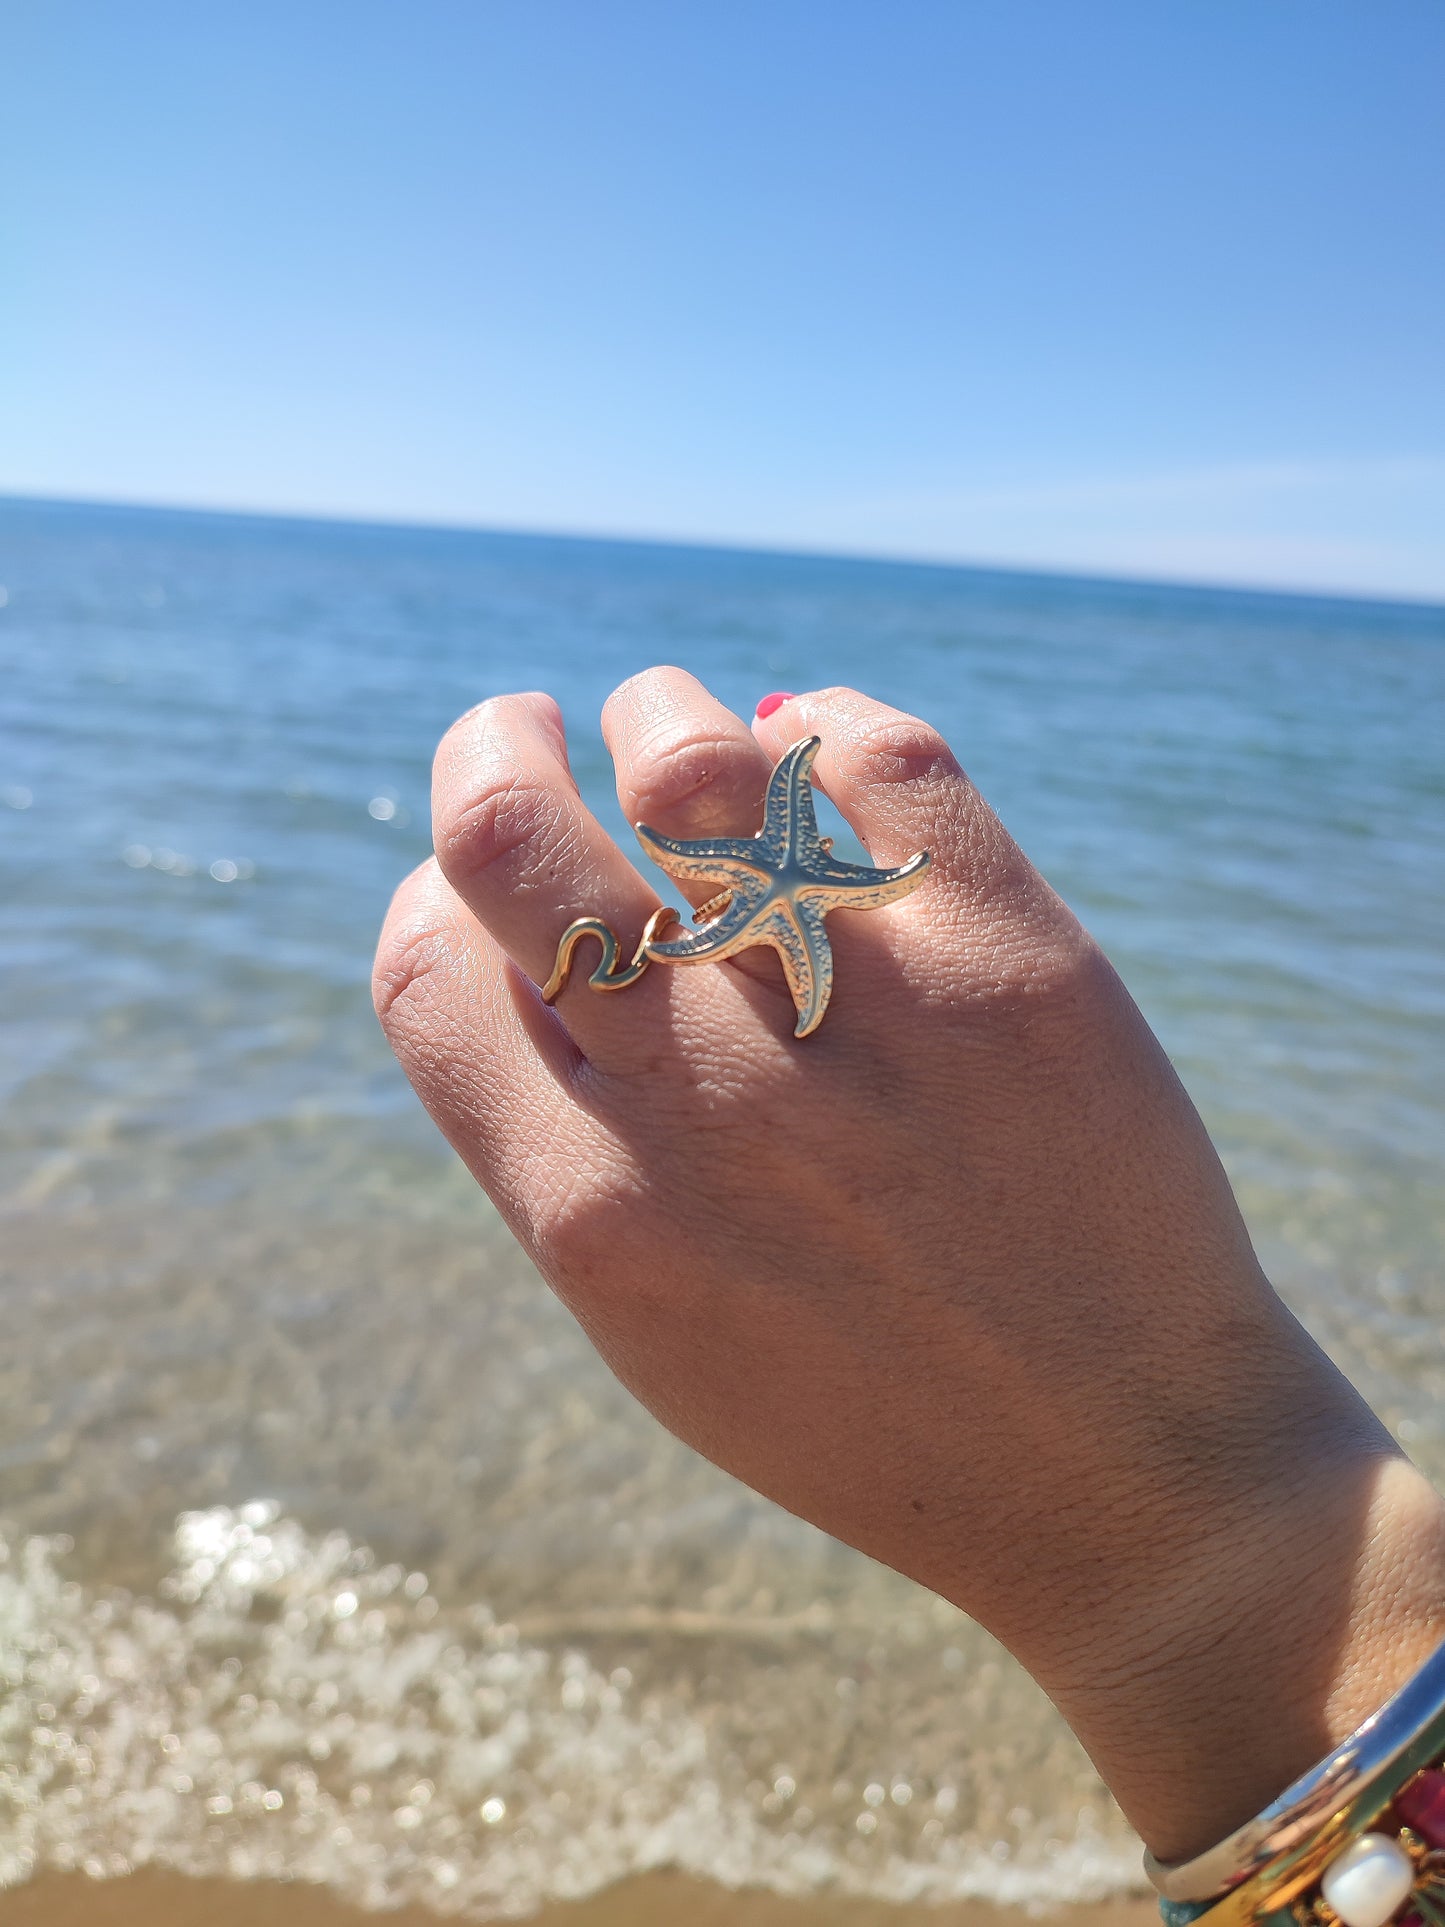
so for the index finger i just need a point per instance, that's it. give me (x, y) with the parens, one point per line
(527, 857)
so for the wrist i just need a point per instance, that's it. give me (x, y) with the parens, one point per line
(1263, 1649)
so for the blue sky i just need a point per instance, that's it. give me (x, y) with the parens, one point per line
(1135, 288)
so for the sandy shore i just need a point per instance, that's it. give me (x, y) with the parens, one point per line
(661, 1900)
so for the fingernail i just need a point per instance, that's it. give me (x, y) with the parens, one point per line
(775, 701)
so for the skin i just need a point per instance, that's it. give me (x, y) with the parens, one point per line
(959, 1279)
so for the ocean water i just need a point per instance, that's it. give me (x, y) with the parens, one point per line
(329, 1546)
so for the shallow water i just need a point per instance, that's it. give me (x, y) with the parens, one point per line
(359, 1565)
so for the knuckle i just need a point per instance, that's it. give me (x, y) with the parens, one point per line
(410, 962)
(498, 817)
(901, 749)
(1073, 983)
(492, 714)
(689, 774)
(582, 1224)
(639, 684)
(1047, 988)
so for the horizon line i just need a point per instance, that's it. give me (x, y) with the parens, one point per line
(720, 545)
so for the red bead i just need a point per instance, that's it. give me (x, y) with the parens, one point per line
(1421, 1805)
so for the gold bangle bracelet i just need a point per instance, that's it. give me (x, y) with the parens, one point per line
(1341, 1780)
(1293, 1871)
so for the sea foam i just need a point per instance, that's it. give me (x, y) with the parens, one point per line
(288, 1707)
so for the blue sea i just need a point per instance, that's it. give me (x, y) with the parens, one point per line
(331, 1550)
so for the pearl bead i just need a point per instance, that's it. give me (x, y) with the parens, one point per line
(1369, 1881)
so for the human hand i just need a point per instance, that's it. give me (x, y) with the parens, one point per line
(959, 1278)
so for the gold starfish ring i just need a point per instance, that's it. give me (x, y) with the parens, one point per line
(778, 887)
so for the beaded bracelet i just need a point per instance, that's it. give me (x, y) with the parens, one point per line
(1316, 1857)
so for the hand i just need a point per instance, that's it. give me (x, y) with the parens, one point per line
(959, 1278)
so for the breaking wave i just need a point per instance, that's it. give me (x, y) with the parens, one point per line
(286, 1705)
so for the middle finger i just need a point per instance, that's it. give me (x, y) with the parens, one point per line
(688, 767)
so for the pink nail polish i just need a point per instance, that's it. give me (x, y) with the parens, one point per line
(775, 701)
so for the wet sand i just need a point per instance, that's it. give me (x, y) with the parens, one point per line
(659, 1900)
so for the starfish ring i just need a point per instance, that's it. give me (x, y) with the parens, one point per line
(777, 887)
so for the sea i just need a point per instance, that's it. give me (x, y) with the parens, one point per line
(331, 1551)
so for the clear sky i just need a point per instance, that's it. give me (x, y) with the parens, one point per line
(1151, 288)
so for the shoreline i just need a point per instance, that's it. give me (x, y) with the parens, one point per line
(160, 1899)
